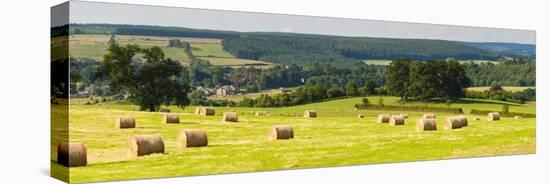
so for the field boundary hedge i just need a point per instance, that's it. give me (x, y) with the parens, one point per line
(422, 108)
(504, 114)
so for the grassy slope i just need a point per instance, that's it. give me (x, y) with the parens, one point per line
(337, 137)
(210, 50)
(95, 46)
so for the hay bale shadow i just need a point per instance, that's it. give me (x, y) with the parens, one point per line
(145, 127)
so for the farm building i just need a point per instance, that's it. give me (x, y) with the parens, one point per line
(225, 90)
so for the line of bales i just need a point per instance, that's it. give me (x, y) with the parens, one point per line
(75, 154)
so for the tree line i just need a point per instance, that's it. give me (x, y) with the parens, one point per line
(498, 93)
(508, 72)
(250, 79)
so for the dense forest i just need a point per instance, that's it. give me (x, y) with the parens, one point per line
(294, 49)
(426, 80)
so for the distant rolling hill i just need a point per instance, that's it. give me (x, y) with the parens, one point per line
(506, 48)
(300, 49)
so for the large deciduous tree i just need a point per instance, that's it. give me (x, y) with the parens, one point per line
(397, 78)
(427, 80)
(150, 83)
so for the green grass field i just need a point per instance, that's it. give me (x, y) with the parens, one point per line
(209, 50)
(336, 138)
(506, 88)
(95, 46)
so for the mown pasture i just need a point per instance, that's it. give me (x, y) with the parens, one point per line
(335, 138)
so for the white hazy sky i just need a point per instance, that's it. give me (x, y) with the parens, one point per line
(94, 12)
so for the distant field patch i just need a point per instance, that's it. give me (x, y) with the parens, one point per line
(377, 62)
(94, 46)
(506, 88)
(209, 50)
(236, 62)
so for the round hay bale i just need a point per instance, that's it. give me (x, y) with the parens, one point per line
(361, 116)
(429, 116)
(455, 122)
(397, 120)
(463, 120)
(191, 138)
(72, 154)
(140, 145)
(171, 118)
(383, 118)
(310, 114)
(426, 125)
(230, 117)
(477, 118)
(262, 113)
(126, 122)
(207, 111)
(280, 132)
(493, 116)
(165, 110)
(406, 116)
(518, 117)
(197, 111)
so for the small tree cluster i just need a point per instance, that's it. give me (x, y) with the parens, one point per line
(150, 83)
(426, 80)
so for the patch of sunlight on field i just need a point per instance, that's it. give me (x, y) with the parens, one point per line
(209, 50)
(335, 138)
